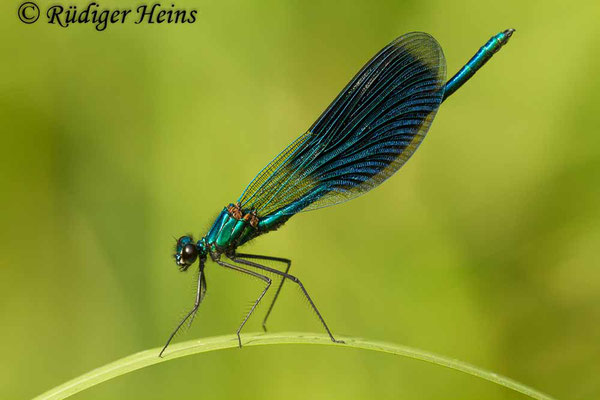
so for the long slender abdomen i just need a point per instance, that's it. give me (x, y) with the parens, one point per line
(479, 59)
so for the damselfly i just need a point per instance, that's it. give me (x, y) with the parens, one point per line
(369, 131)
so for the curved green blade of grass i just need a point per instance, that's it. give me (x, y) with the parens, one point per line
(150, 357)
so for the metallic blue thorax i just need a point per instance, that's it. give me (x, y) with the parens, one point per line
(233, 228)
(226, 232)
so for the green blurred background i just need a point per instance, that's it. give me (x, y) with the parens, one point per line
(484, 247)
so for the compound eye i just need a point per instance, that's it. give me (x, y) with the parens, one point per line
(182, 241)
(189, 254)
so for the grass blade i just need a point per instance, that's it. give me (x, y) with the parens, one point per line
(150, 357)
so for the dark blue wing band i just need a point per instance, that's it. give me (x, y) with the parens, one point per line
(369, 131)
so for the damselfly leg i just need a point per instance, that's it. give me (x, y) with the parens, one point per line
(285, 261)
(291, 278)
(266, 279)
(200, 292)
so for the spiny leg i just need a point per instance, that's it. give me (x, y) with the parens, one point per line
(256, 275)
(293, 279)
(202, 294)
(201, 290)
(286, 261)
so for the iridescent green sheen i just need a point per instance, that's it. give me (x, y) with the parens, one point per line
(229, 232)
(238, 229)
(269, 221)
(274, 220)
(225, 236)
(211, 237)
(248, 234)
(477, 61)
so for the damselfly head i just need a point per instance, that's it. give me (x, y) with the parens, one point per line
(186, 252)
